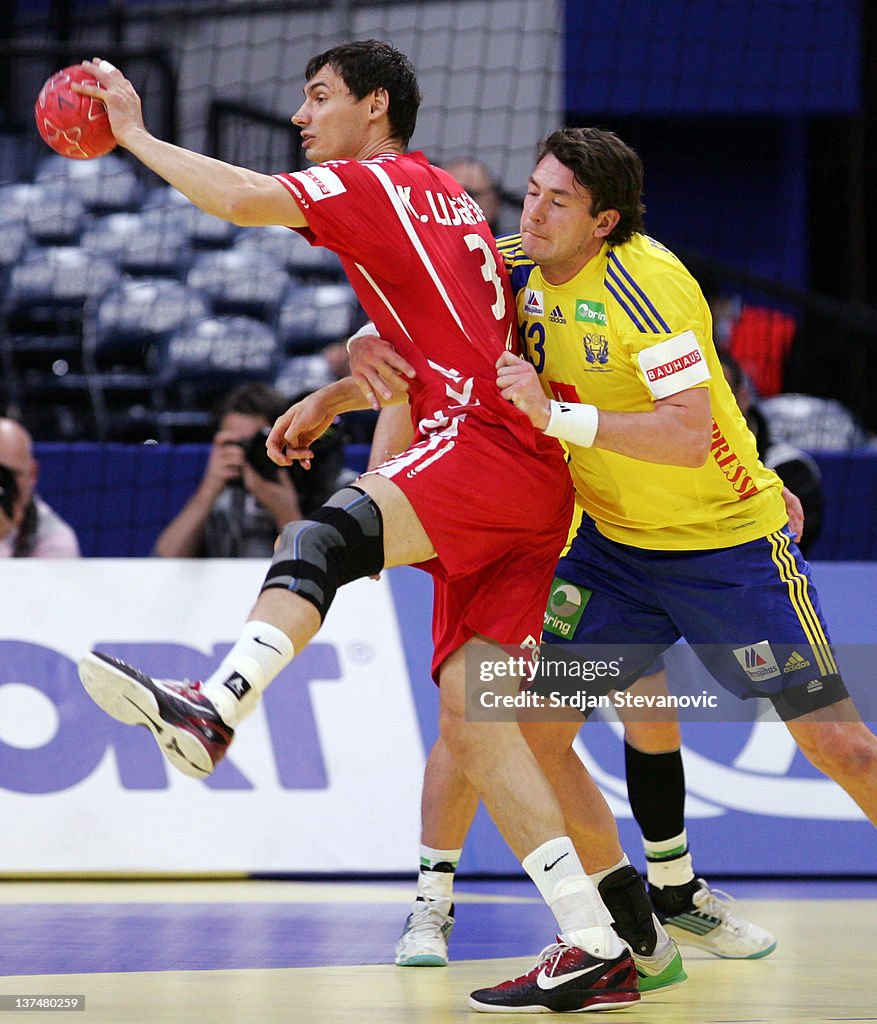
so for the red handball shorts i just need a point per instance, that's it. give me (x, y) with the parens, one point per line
(497, 513)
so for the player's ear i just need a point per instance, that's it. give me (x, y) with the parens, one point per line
(379, 102)
(607, 221)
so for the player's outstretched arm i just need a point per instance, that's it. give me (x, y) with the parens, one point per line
(294, 432)
(236, 194)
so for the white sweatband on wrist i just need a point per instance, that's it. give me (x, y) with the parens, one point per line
(366, 331)
(575, 422)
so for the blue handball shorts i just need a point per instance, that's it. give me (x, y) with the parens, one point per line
(751, 614)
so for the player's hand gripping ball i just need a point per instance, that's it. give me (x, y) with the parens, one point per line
(74, 126)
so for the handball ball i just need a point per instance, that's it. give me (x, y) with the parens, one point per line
(73, 125)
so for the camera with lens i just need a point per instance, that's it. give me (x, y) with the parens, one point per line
(257, 455)
(8, 490)
(313, 486)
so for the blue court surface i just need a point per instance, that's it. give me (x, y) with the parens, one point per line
(321, 952)
(90, 927)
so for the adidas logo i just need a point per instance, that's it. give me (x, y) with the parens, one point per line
(795, 662)
(556, 317)
(814, 686)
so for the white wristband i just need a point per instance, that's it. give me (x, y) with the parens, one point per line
(366, 331)
(574, 422)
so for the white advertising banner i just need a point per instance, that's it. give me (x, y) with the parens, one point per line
(323, 777)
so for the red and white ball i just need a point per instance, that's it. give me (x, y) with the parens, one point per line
(73, 125)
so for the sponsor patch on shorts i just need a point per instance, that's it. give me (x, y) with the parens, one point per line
(757, 661)
(566, 602)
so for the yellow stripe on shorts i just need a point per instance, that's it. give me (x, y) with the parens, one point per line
(799, 594)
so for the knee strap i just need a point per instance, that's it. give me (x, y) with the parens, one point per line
(338, 543)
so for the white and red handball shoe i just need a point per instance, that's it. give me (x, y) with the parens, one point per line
(565, 979)
(184, 722)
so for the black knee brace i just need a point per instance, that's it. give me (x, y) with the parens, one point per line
(340, 542)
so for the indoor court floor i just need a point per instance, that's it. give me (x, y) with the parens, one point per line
(283, 952)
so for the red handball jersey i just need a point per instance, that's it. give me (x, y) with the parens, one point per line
(492, 492)
(420, 256)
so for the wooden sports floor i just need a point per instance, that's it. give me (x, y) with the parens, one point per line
(276, 952)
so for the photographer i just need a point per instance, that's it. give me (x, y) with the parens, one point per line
(244, 500)
(29, 528)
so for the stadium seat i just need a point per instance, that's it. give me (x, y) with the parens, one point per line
(147, 243)
(16, 238)
(301, 259)
(299, 374)
(205, 231)
(54, 216)
(241, 282)
(43, 311)
(122, 337)
(49, 286)
(103, 185)
(202, 361)
(314, 315)
(813, 423)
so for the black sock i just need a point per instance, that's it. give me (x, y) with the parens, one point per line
(656, 791)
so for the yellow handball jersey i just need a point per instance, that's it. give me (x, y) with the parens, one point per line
(630, 328)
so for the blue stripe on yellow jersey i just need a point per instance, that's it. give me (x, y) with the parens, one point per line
(624, 281)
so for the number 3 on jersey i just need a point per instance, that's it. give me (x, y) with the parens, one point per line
(488, 272)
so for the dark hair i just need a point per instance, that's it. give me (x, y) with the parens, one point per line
(256, 399)
(608, 168)
(370, 64)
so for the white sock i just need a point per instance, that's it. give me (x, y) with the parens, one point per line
(261, 653)
(581, 915)
(435, 884)
(668, 861)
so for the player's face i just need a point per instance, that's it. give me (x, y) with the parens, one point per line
(333, 122)
(558, 230)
